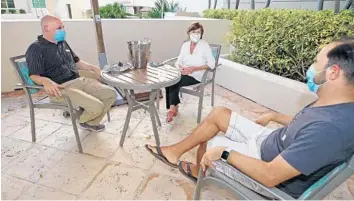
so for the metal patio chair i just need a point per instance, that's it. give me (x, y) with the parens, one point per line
(198, 89)
(19, 63)
(244, 187)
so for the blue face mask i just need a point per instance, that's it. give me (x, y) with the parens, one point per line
(59, 35)
(310, 76)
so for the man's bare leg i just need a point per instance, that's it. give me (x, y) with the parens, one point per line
(217, 120)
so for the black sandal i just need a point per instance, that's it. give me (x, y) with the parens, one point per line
(161, 157)
(188, 174)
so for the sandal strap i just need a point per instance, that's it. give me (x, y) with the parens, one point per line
(189, 171)
(158, 149)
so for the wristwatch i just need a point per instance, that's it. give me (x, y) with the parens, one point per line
(225, 154)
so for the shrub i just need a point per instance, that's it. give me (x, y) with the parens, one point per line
(114, 10)
(12, 11)
(162, 6)
(220, 13)
(22, 11)
(283, 42)
(154, 13)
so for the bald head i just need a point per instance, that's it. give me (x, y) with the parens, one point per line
(49, 25)
(48, 20)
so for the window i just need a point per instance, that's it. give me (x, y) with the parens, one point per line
(38, 4)
(7, 4)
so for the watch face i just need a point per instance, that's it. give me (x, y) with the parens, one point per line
(225, 155)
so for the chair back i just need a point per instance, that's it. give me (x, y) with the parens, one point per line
(330, 181)
(20, 65)
(209, 75)
(216, 49)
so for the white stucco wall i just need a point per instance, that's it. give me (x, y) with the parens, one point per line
(166, 35)
(275, 92)
(21, 4)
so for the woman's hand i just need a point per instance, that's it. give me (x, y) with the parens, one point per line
(186, 70)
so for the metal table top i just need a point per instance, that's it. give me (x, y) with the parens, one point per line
(143, 79)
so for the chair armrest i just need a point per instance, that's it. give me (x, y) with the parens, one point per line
(169, 60)
(273, 191)
(64, 95)
(30, 86)
(214, 69)
(205, 75)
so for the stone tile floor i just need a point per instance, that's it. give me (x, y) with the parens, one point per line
(52, 168)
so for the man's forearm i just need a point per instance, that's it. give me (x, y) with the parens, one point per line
(85, 66)
(256, 169)
(39, 80)
(281, 118)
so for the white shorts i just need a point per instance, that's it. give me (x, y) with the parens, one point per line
(243, 136)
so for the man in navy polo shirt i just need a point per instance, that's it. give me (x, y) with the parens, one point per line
(53, 64)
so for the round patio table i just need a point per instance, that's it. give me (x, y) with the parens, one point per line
(150, 79)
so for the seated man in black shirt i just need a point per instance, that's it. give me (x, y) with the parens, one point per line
(53, 64)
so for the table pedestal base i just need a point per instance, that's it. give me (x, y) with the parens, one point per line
(149, 106)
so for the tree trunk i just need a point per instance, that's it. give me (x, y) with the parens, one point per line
(320, 4)
(100, 42)
(347, 4)
(237, 4)
(209, 4)
(253, 4)
(215, 3)
(336, 6)
(228, 4)
(267, 3)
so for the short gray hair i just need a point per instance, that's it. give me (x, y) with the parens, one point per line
(45, 19)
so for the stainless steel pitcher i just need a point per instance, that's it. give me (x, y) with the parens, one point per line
(139, 52)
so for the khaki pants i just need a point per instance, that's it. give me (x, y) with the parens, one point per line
(91, 95)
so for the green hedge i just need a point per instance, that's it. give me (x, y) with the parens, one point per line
(221, 13)
(282, 42)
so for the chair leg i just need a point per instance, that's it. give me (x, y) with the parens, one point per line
(108, 117)
(33, 124)
(200, 107)
(77, 136)
(212, 93)
(76, 132)
(157, 100)
(73, 117)
(199, 187)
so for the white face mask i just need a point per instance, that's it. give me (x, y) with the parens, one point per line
(195, 37)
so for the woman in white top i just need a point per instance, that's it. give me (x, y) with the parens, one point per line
(194, 58)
